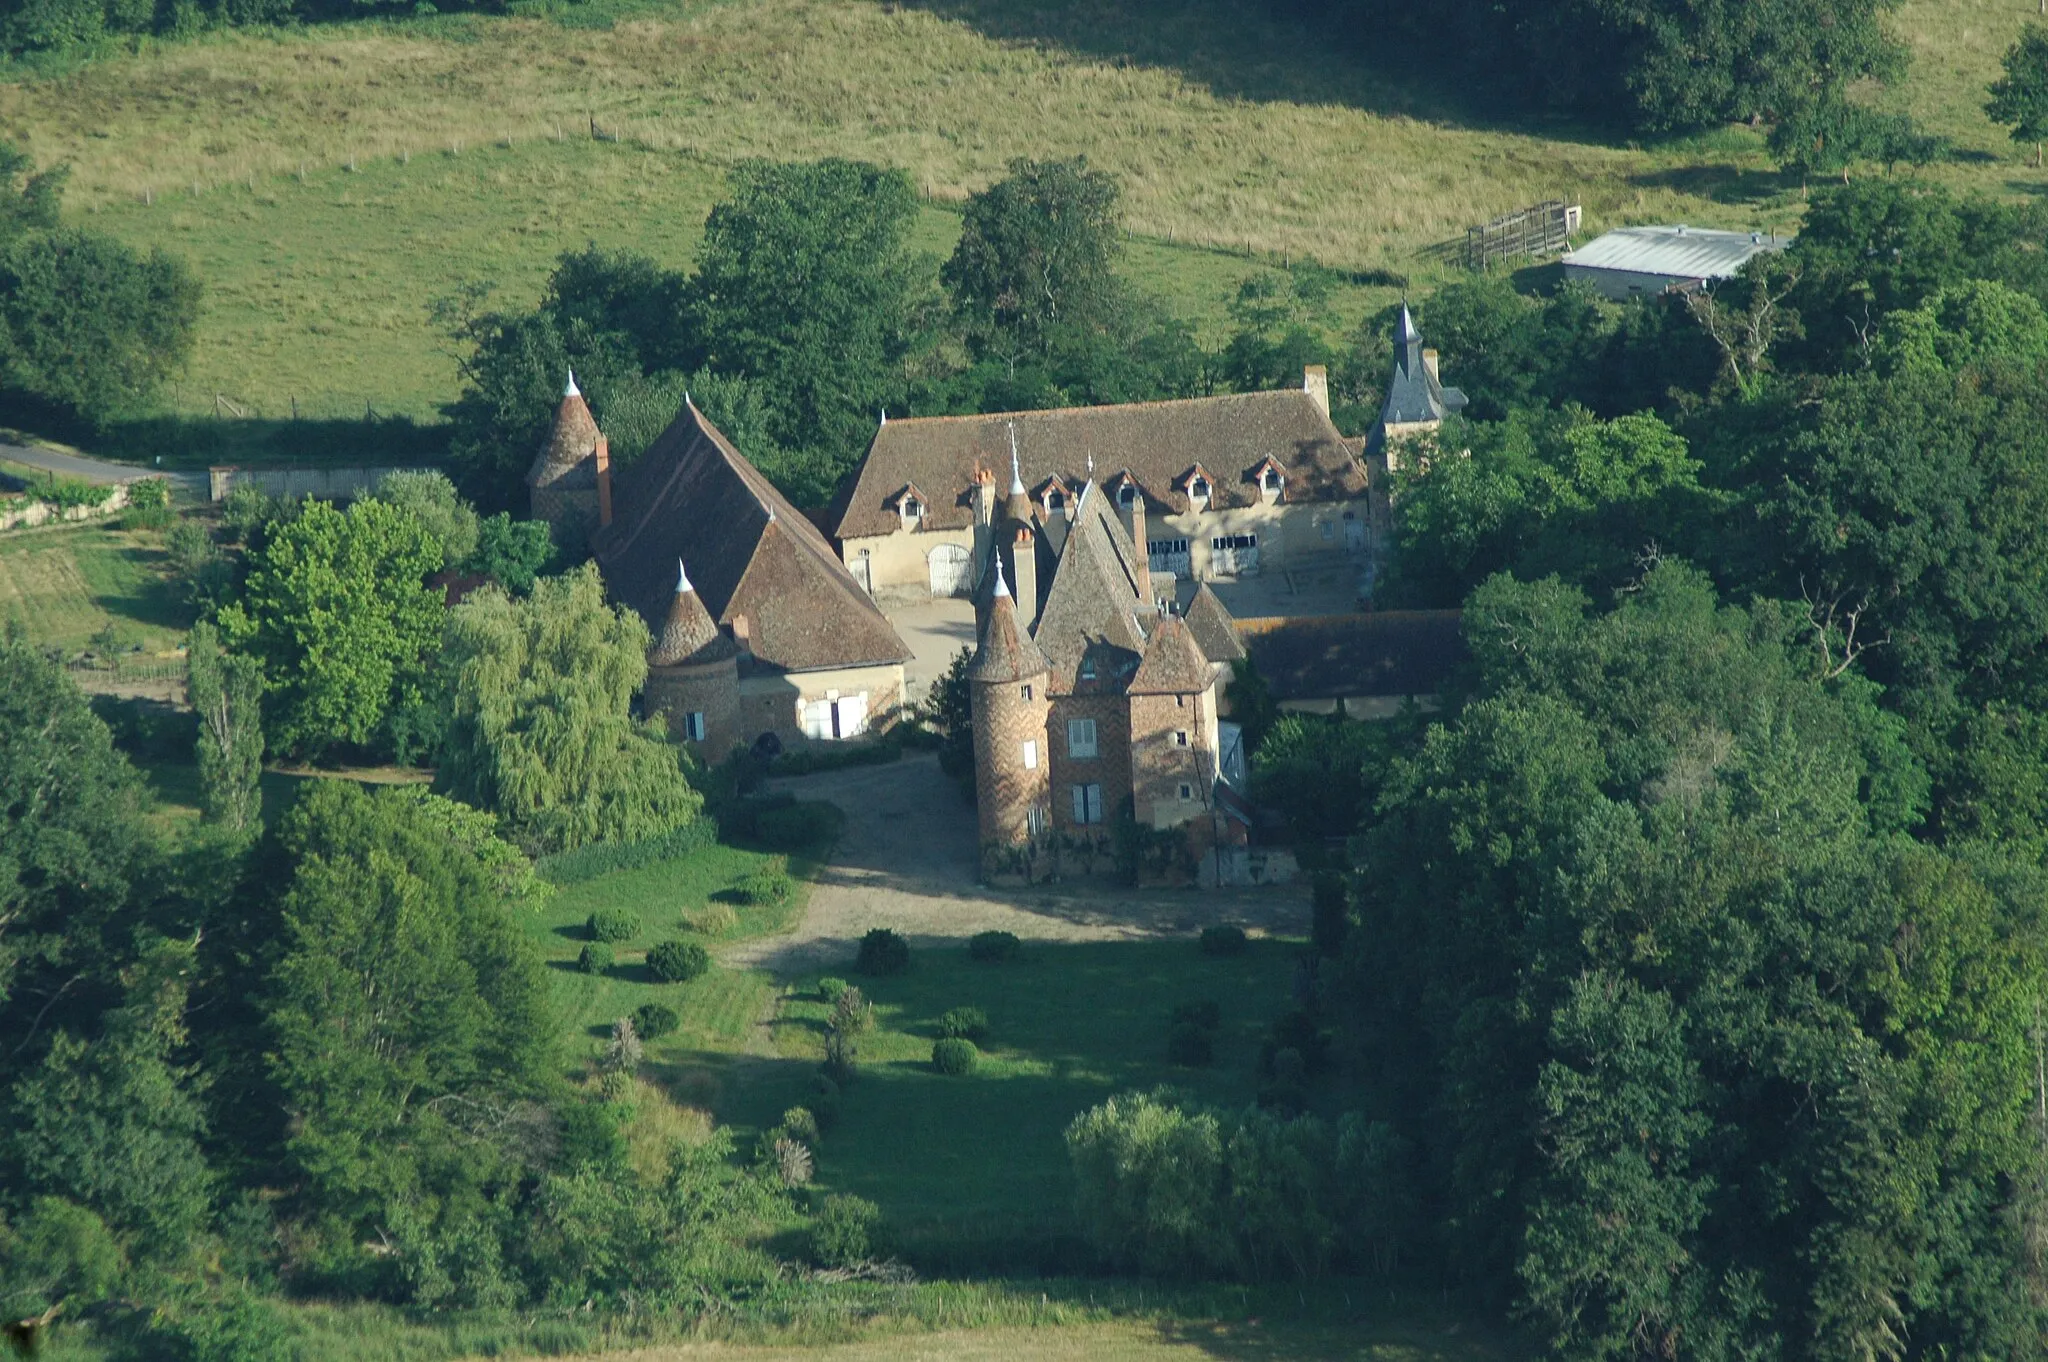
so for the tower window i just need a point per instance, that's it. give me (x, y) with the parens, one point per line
(1087, 803)
(1080, 737)
(1180, 702)
(1187, 791)
(693, 725)
(1029, 749)
(1035, 819)
(1027, 692)
(1180, 738)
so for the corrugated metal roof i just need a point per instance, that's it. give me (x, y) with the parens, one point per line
(1676, 252)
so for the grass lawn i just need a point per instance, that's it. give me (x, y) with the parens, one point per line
(971, 1172)
(71, 585)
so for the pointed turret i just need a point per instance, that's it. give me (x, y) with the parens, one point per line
(1005, 652)
(570, 478)
(688, 635)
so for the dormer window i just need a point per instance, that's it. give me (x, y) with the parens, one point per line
(913, 509)
(1199, 488)
(1271, 481)
(911, 505)
(1127, 493)
(1055, 501)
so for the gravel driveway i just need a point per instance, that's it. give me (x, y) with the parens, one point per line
(908, 861)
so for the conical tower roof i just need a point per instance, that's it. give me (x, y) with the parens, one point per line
(567, 459)
(1173, 663)
(688, 635)
(1006, 653)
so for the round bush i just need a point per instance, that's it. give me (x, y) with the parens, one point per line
(677, 962)
(799, 1123)
(1204, 1015)
(993, 947)
(595, 958)
(964, 1023)
(830, 988)
(612, 924)
(955, 1056)
(765, 889)
(843, 1231)
(651, 1021)
(882, 952)
(1191, 1045)
(1225, 940)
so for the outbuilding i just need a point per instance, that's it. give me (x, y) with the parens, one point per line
(1631, 261)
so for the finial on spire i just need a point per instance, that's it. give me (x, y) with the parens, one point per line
(1408, 332)
(885, 416)
(1002, 587)
(682, 578)
(1091, 466)
(686, 400)
(1016, 477)
(572, 390)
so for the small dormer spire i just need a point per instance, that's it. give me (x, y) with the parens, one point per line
(682, 578)
(572, 390)
(1016, 475)
(1002, 587)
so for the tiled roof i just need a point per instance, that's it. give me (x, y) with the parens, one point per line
(1094, 597)
(692, 496)
(565, 460)
(1391, 653)
(689, 636)
(1154, 441)
(1174, 664)
(1004, 652)
(1212, 626)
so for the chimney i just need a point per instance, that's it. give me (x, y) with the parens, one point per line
(604, 480)
(1315, 381)
(1024, 558)
(741, 635)
(1429, 363)
(1134, 521)
(984, 496)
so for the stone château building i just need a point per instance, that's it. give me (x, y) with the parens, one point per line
(762, 638)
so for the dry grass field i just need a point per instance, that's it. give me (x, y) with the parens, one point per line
(331, 183)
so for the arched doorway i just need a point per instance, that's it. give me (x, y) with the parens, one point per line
(952, 569)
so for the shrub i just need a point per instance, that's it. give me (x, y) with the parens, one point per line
(830, 988)
(843, 1231)
(1204, 1015)
(966, 1023)
(1148, 1176)
(595, 958)
(713, 919)
(800, 1124)
(602, 858)
(149, 505)
(882, 952)
(1191, 1045)
(655, 1020)
(1223, 940)
(1300, 1031)
(954, 1055)
(765, 889)
(678, 962)
(612, 924)
(851, 1019)
(792, 1161)
(994, 947)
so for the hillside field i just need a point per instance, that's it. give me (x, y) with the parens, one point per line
(331, 184)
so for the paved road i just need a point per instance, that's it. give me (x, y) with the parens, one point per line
(96, 470)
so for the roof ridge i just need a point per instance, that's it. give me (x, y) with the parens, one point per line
(1084, 408)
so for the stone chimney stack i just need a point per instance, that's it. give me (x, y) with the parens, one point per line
(1428, 363)
(984, 521)
(1024, 557)
(1134, 521)
(604, 480)
(742, 635)
(1315, 381)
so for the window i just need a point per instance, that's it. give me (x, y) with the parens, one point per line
(1027, 692)
(1055, 500)
(1234, 541)
(913, 509)
(1199, 489)
(1126, 494)
(1180, 738)
(1270, 479)
(1162, 548)
(1030, 750)
(1035, 820)
(1180, 702)
(1187, 791)
(1087, 803)
(1080, 737)
(1329, 530)
(1087, 669)
(693, 725)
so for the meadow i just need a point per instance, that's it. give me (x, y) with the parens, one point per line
(91, 585)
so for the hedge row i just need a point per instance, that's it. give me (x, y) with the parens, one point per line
(602, 858)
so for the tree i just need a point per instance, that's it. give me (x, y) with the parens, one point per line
(542, 732)
(70, 812)
(337, 611)
(28, 201)
(806, 282)
(432, 500)
(1037, 252)
(90, 327)
(409, 1016)
(2019, 98)
(512, 552)
(226, 691)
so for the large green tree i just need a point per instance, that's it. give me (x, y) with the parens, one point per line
(1037, 252)
(542, 731)
(2019, 98)
(226, 692)
(337, 610)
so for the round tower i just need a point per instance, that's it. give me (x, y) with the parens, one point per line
(571, 479)
(1011, 771)
(693, 675)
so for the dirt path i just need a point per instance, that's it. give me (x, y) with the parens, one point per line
(907, 861)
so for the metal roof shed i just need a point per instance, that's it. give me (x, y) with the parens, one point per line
(1636, 260)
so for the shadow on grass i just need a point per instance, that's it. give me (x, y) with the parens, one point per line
(186, 442)
(1722, 184)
